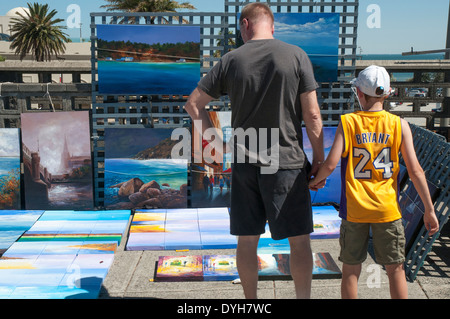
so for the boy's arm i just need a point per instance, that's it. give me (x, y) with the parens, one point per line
(417, 176)
(332, 160)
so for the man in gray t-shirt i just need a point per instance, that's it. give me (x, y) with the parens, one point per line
(271, 87)
(264, 80)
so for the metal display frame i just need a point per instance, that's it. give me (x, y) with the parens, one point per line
(217, 29)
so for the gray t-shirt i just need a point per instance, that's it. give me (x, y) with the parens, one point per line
(264, 80)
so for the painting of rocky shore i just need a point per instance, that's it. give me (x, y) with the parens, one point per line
(134, 193)
(139, 172)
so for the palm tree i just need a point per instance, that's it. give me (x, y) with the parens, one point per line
(146, 6)
(37, 32)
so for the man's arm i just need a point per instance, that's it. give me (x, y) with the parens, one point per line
(417, 176)
(314, 128)
(196, 108)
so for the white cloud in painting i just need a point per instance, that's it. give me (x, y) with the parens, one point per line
(321, 27)
(9, 142)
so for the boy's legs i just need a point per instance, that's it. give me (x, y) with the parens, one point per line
(301, 265)
(397, 281)
(354, 240)
(389, 248)
(349, 283)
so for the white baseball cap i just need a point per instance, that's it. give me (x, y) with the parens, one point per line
(373, 81)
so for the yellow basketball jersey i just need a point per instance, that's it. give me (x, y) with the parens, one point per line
(370, 167)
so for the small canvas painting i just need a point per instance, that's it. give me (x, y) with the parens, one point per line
(9, 168)
(178, 229)
(148, 59)
(277, 266)
(219, 267)
(180, 268)
(139, 171)
(57, 160)
(211, 169)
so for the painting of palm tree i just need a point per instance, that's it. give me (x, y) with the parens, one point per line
(37, 32)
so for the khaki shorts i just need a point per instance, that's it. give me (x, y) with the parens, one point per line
(388, 242)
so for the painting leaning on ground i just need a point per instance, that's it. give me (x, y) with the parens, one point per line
(56, 151)
(148, 59)
(9, 169)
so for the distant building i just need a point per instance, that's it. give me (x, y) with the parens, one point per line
(5, 21)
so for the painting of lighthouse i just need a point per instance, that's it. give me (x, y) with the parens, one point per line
(56, 151)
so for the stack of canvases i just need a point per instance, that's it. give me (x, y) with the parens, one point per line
(65, 254)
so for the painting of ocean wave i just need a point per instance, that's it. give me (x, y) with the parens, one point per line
(139, 170)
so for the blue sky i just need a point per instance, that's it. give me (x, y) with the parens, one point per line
(421, 24)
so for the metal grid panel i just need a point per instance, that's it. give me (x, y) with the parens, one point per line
(334, 98)
(217, 33)
(147, 111)
(433, 153)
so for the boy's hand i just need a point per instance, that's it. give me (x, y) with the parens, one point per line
(315, 185)
(431, 222)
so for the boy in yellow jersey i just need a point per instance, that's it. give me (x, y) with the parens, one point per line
(368, 143)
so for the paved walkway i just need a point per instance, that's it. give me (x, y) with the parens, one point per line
(132, 272)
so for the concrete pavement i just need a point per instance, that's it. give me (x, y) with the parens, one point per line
(132, 272)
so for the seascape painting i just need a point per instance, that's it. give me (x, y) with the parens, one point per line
(57, 160)
(148, 59)
(211, 169)
(179, 229)
(9, 168)
(139, 171)
(317, 34)
(13, 223)
(63, 255)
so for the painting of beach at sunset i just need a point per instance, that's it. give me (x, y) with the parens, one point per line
(148, 59)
